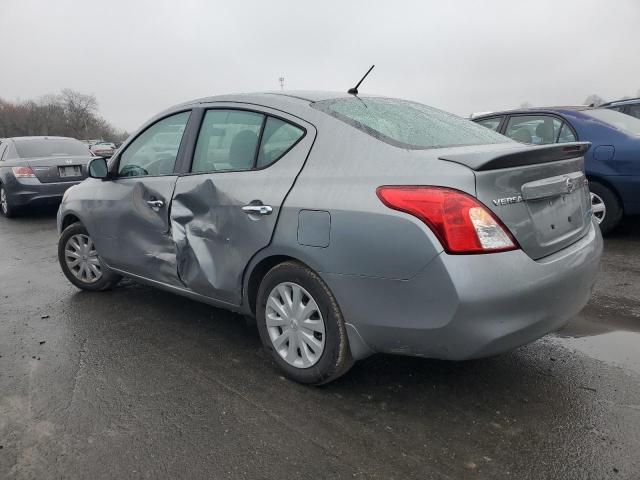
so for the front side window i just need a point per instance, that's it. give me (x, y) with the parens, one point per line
(534, 129)
(154, 152)
(407, 124)
(490, 123)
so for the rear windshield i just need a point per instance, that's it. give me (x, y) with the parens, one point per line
(407, 124)
(621, 121)
(50, 147)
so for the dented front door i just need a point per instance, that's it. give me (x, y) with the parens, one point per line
(131, 210)
(220, 220)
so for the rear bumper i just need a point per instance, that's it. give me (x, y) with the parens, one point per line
(468, 306)
(30, 191)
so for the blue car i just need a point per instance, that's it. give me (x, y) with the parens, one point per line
(612, 163)
(630, 106)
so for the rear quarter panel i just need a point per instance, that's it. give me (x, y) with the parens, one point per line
(366, 238)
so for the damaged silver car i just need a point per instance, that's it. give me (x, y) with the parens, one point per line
(346, 225)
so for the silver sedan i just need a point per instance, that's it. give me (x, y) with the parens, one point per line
(345, 225)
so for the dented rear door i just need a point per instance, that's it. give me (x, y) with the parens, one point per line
(221, 218)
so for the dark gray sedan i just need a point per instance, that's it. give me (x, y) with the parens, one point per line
(38, 170)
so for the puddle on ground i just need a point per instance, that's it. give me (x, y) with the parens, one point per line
(607, 330)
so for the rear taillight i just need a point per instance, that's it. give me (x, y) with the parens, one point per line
(460, 221)
(22, 172)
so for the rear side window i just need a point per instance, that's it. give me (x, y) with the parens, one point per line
(566, 134)
(407, 124)
(534, 129)
(154, 152)
(50, 147)
(634, 110)
(490, 123)
(238, 140)
(228, 140)
(278, 137)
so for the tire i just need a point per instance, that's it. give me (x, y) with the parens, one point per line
(6, 208)
(612, 209)
(330, 362)
(74, 235)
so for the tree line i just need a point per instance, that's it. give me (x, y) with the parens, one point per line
(68, 114)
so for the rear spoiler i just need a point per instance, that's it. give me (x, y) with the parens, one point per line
(527, 155)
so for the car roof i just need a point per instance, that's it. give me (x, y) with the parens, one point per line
(626, 101)
(537, 110)
(307, 96)
(42, 137)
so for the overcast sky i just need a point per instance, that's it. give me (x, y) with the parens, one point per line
(141, 56)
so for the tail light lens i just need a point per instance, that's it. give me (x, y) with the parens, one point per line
(462, 224)
(22, 172)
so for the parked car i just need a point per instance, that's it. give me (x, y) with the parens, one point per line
(612, 162)
(630, 106)
(346, 225)
(38, 170)
(103, 149)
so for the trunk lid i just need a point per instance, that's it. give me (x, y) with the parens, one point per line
(540, 193)
(59, 168)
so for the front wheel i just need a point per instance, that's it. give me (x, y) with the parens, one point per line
(301, 325)
(80, 262)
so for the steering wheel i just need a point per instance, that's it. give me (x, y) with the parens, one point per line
(133, 171)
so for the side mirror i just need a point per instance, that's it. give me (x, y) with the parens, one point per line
(98, 168)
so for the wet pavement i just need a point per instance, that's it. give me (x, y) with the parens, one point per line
(138, 383)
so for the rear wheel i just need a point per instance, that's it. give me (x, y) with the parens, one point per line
(301, 325)
(80, 262)
(6, 208)
(605, 206)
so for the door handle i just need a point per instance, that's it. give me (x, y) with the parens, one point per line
(155, 204)
(257, 209)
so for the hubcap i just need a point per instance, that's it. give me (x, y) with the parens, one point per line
(3, 200)
(82, 259)
(598, 208)
(295, 325)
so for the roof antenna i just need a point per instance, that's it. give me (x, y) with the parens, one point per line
(354, 90)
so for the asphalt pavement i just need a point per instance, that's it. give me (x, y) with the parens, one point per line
(139, 383)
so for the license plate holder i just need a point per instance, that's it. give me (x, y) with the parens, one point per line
(70, 171)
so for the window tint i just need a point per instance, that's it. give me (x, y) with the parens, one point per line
(228, 140)
(50, 147)
(535, 129)
(566, 134)
(490, 123)
(278, 137)
(634, 110)
(407, 124)
(154, 152)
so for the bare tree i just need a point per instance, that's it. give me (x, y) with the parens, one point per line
(594, 99)
(526, 105)
(69, 113)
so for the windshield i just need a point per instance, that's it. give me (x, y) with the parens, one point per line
(407, 124)
(621, 121)
(50, 147)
